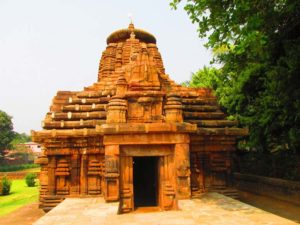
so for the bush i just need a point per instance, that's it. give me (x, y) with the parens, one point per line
(5, 185)
(30, 179)
(10, 168)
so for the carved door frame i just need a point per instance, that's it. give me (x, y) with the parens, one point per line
(126, 184)
(166, 198)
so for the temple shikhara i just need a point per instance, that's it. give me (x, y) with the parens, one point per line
(135, 136)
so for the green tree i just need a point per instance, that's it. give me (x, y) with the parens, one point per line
(21, 152)
(257, 45)
(208, 77)
(6, 131)
(18, 139)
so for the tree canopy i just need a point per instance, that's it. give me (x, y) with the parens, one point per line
(256, 44)
(9, 139)
(18, 139)
(206, 77)
(6, 131)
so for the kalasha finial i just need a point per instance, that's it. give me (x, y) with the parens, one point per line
(130, 17)
(131, 26)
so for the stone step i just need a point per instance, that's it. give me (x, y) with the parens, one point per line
(229, 192)
(49, 202)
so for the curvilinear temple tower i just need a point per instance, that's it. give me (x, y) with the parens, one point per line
(135, 136)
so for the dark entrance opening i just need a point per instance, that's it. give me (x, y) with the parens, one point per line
(145, 176)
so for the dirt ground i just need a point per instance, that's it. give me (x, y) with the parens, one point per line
(25, 215)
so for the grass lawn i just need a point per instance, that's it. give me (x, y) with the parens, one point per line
(31, 170)
(20, 195)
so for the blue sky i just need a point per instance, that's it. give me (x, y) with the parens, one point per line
(51, 45)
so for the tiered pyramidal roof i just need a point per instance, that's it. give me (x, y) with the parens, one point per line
(132, 75)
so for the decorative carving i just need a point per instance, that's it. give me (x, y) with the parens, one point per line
(173, 108)
(116, 111)
(111, 165)
(62, 173)
(170, 195)
(121, 84)
(183, 169)
(94, 178)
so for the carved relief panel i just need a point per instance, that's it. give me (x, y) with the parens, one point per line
(197, 172)
(220, 166)
(145, 109)
(62, 174)
(95, 174)
(209, 171)
(111, 184)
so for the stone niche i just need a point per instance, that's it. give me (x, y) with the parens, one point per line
(135, 136)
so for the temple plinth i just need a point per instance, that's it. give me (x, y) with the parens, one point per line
(135, 136)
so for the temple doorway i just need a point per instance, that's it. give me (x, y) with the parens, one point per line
(145, 181)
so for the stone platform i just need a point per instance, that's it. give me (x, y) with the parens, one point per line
(211, 209)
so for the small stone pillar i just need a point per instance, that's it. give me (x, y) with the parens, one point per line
(111, 186)
(117, 106)
(83, 174)
(173, 108)
(116, 110)
(43, 177)
(75, 174)
(51, 175)
(182, 164)
(121, 84)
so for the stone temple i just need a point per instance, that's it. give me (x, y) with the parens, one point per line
(135, 136)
